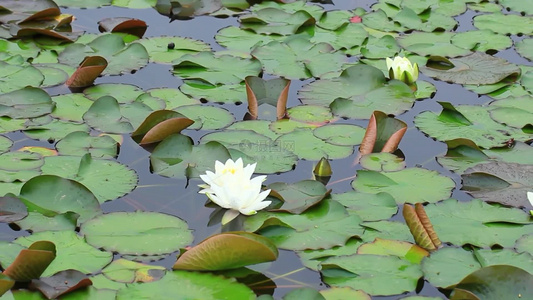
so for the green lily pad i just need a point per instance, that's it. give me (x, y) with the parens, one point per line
(270, 156)
(122, 58)
(36, 222)
(505, 183)
(505, 24)
(51, 195)
(481, 40)
(524, 244)
(16, 77)
(469, 121)
(215, 69)
(385, 46)
(72, 252)
(476, 68)
(127, 271)
(340, 134)
(188, 285)
(401, 249)
(137, 233)
(104, 115)
(206, 117)
(299, 196)
(367, 272)
(12, 209)
(276, 21)
(70, 107)
(384, 161)
(312, 258)
(370, 207)
(160, 49)
(429, 185)
(379, 20)
(28, 102)
(82, 3)
(244, 40)
(227, 93)
(359, 91)
(55, 130)
(106, 179)
(79, 143)
(176, 156)
(303, 138)
(524, 48)
(310, 114)
(487, 225)
(435, 43)
(298, 58)
(5, 144)
(124, 93)
(463, 154)
(54, 74)
(227, 250)
(322, 226)
(495, 282)
(344, 293)
(448, 266)
(514, 112)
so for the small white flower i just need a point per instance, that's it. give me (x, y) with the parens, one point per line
(232, 187)
(401, 69)
(530, 197)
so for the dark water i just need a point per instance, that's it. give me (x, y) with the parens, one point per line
(169, 195)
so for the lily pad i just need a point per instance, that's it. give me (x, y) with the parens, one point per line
(206, 117)
(227, 250)
(387, 162)
(302, 138)
(312, 258)
(32, 262)
(132, 26)
(340, 134)
(487, 225)
(188, 285)
(505, 24)
(430, 186)
(367, 272)
(435, 43)
(177, 157)
(515, 112)
(106, 179)
(323, 226)
(215, 69)
(500, 182)
(298, 58)
(242, 39)
(122, 58)
(469, 121)
(401, 249)
(127, 271)
(104, 115)
(124, 93)
(159, 125)
(370, 207)
(16, 77)
(72, 252)
(481, 40)
(61, 283)
(70, 107)
(227, 93)
(137, 233)
(12, 209)
(28, 102)
(524, 48)
(36, 222)
(51, 195)
(160, 49)
(276, 21)
(299, 196)
(79, 143)
(495, 282)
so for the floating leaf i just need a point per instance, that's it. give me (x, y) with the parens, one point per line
(487, 225)
(516, 112)
(475, 68)
(505, 24)
(121, 57)
(300, 139)
(420, 227)
(228, 250)
(165, 49)
(32, 262)
(298, 58)
(159, 125)
(384, 161)
(177, 157)
(299, 196)
(106, 179)
(80, 143)
(303, 293)
(72, 252)
(61, 283)
(276, 21)
(124, 93)
(50, 195)
(383, 134)
(89, 69)
(524, 48)
(6, 284)
(401, 249)
(500, 182)
(340, 134)
(198, 286)
(482, 40)
(322, 226)
(344, 293)
(132, 26)
(137, 233)
(127, 271)
(435, 43)
(105, 115)
(28, 102)
(368, 273)
(429, 185)
(16, 77)
(215, 69)
(370, 207)
(36, 222)
(274, 92)
(496, 282)
(12, 209)
(206, 117)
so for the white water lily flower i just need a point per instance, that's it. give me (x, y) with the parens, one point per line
(232, 187)
(401, 69)
(530, 198)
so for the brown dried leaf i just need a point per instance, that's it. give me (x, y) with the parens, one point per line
(420, 227)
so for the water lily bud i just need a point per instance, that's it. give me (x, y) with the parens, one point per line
(401, 69)
(323, 168)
